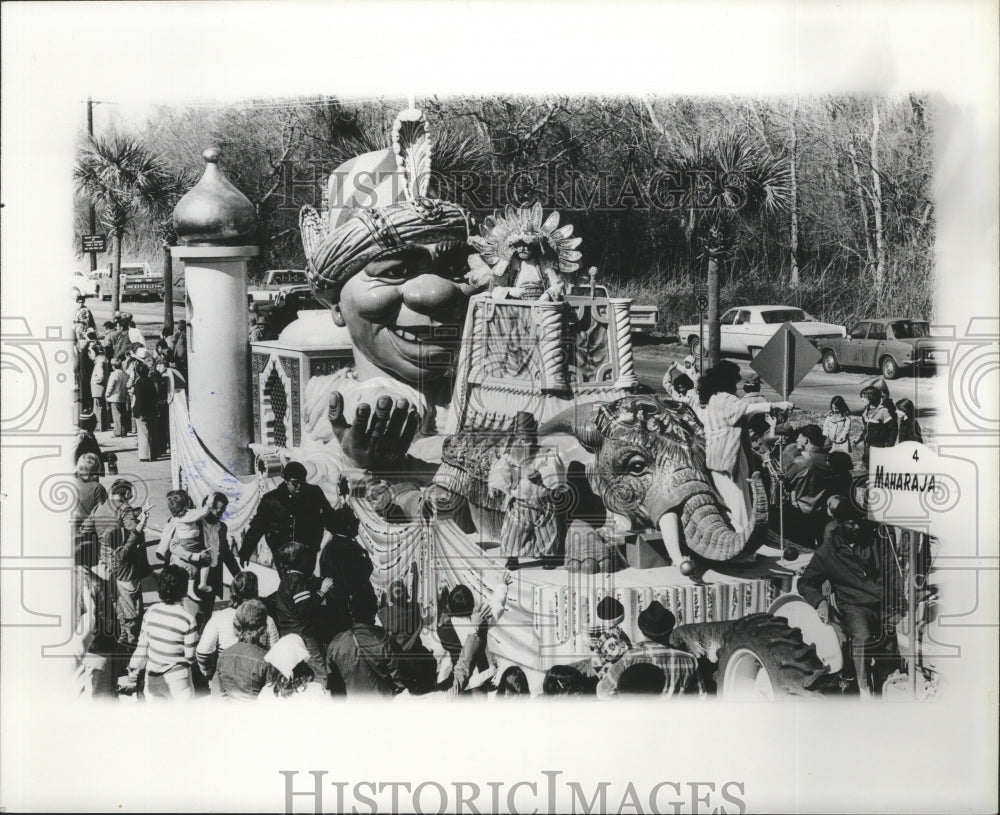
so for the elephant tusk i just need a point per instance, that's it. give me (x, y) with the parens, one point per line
(670, 528)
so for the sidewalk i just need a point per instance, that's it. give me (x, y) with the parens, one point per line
(151, 478)
(152, 482)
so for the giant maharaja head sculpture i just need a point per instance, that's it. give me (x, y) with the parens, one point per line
(398, 276)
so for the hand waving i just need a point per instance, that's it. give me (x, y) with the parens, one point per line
(379, 439)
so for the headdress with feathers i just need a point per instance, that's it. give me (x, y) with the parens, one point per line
(501, 233)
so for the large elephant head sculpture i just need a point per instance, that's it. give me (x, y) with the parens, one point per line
(649, 463)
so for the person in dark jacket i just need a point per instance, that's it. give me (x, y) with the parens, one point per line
(243, 672)
(86, 441)
(144, 412)
(363, 659)
(293, 511)
(809, 482)
(349, 565)
(878, 421)
(849, 563)
(161, 380)
(402, 620)
(179, 356)
(909, 427)
(121, 343)
(299, 603)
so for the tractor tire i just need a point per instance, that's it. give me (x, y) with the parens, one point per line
(763, 658)
(830, 363)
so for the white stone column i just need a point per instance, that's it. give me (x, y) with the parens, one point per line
(218, 350)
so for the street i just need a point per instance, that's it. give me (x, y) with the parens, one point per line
(815, 390)
(651, 361)
(148, 314)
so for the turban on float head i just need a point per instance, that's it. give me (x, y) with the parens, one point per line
(376, 234)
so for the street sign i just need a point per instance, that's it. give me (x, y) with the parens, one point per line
(94, 243)
(785, 360)
(701, 301)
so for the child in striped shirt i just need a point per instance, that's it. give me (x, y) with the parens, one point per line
(167, 640)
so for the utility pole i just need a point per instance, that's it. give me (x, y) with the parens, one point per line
(93, 214)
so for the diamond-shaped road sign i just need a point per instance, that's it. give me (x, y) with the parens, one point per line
(785, 360)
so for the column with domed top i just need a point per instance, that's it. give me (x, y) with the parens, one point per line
(215, 224)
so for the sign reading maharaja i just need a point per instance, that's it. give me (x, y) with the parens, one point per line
(911, 486)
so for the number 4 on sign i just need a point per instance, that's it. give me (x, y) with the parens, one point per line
(916, 456)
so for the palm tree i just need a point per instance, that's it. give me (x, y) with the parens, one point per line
(161, 213)
(724, 183)
(122, 178)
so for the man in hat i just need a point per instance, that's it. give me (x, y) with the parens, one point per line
(680, 668)
(787, 443)
(534, 479)
(607, 639)
(293, 511)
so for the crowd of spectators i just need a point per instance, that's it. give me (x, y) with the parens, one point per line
(327, 631)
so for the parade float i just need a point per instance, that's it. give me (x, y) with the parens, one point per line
(470, 408)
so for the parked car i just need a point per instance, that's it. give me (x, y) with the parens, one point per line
(84, 285)
(275, 282)
(137, 281)
(286, 307)
(644, 318)
(888, 345)
(747, 329)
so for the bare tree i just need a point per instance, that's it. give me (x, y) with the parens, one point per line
(877, 206)
(793, 195)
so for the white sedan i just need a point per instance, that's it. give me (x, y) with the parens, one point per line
(746, 329)
(83, 285)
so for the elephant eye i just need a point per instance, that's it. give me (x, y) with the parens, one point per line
(636, 465)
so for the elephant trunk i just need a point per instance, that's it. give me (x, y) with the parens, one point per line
(706, 531)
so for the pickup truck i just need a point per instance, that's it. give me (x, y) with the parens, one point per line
(644, 318)
(745, 330)
(276, 281)
(888, 345)
(137, 281)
